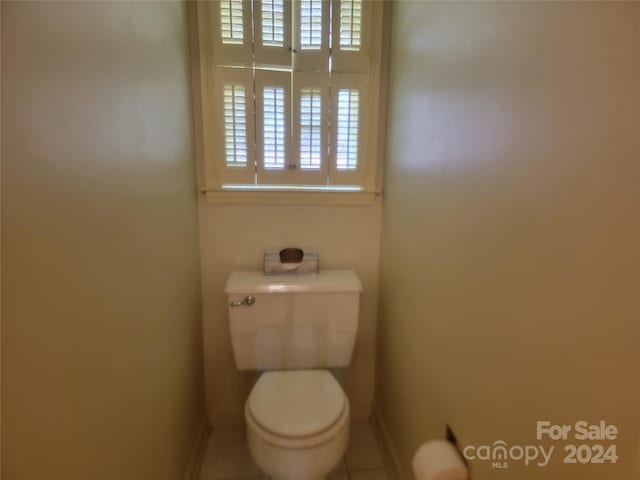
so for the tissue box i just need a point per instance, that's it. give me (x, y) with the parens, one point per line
(290, 260)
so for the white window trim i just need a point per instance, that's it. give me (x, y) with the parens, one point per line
(207, 141)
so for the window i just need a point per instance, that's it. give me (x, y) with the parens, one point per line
(288, 93)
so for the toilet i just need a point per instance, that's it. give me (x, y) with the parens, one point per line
(294, 328)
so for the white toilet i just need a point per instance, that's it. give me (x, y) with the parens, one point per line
(293, 327)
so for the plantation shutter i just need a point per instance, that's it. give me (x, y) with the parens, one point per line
(290, 91)
(232, 32)
(311, 35)
(350, 35)
(235, 137)
(272, 26)
(273, 127)
(310, 127)
(349, 102)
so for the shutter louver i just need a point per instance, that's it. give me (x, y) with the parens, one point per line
(347, 129)
(272, 31)
(311, 42)
(234, 133)
(232, 36)
(350, 24)
(310, 24)
(350, 36)
(273, 23)
(349, 120)
(274, 127)
(231, 22)
(235, 126)
(310, 129)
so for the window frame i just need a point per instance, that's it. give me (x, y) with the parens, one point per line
(209, 134)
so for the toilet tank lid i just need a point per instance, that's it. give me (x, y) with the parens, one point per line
(324, 281)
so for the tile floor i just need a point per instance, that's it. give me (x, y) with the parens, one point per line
(227, 456)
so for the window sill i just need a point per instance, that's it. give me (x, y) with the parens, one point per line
(289, 196)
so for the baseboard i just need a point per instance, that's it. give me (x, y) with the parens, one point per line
(389, 453)
(199, 447)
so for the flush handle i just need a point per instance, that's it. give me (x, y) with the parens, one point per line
(248, 301)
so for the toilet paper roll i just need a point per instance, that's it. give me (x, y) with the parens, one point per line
(439, 460)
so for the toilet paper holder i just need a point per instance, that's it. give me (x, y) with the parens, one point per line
(440, 460)
(290, 260)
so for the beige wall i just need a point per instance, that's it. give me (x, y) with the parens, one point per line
(101, 316)
(509, 272)
(234, 237)
(0, 248)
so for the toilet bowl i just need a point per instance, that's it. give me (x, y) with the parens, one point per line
(297, 424)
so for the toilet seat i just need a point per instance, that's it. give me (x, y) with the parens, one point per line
(297, 408)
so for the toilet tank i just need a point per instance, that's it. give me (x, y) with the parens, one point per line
(293, 321)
